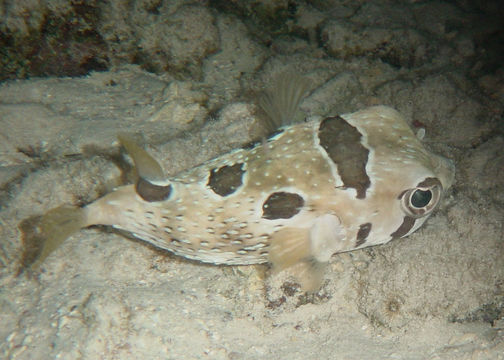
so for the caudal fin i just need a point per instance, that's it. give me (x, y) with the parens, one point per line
(51, 231)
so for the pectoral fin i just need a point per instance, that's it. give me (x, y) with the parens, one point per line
(310, 273)
(326, 236)
(306, 252)
(289, 247)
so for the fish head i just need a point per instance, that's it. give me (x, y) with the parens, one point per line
(405, 181)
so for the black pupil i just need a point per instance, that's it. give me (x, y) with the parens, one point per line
(421, 198)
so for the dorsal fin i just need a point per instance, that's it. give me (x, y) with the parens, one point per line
(280, 101)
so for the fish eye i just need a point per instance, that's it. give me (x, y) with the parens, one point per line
(420, 198)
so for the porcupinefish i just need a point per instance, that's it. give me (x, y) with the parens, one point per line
(312, 189)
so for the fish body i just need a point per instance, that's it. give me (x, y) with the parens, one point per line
(311, 190)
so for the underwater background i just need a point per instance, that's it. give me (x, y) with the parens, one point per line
(184, 77)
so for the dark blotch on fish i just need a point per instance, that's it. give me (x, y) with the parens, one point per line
(150, 192)
(342, 143)
(282, 205)
(430, 182)
(405, 227)
(363, 233)
(226, 179)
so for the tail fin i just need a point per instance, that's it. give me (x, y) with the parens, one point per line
(53, 228)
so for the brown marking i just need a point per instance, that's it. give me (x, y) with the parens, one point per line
(226, 179)
(430, 182)
(150, 192)
(342, 143)
(405, 227)
(363, 233)
(282, 205)
(402, 194)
